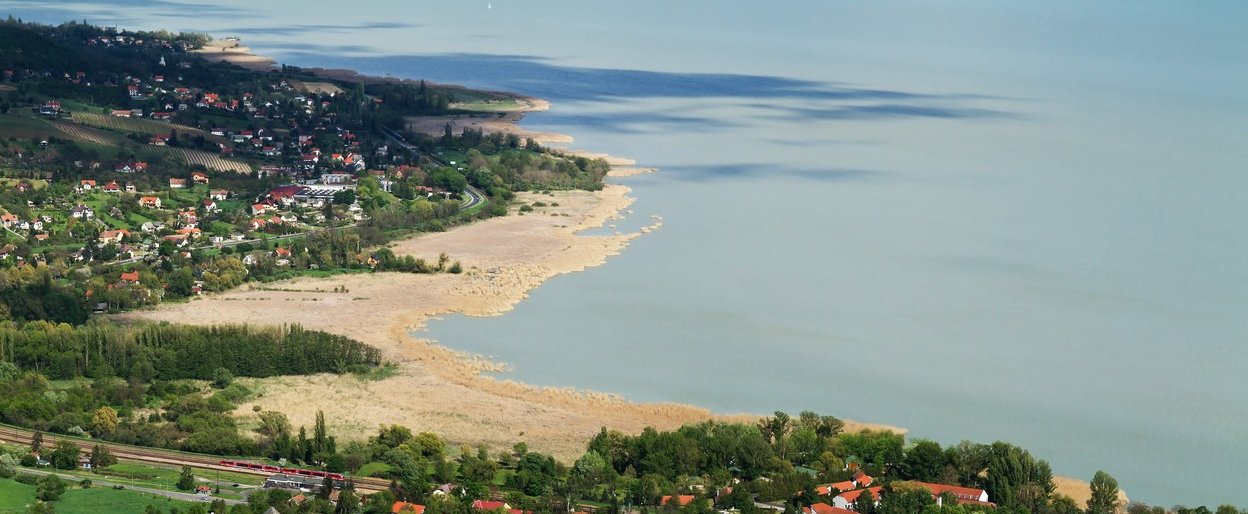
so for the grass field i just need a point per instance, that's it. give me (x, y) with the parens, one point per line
(373, 469)
(12, 182)
(156, 477)
(15, 498)
(25, 127)
(99, 499)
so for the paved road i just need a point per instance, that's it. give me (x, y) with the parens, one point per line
(189, 497)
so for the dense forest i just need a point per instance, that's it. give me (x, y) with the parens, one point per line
(169, 352)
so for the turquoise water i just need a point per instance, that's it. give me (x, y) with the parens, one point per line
(976, 220)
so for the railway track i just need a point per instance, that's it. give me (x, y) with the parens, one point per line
(161, 456)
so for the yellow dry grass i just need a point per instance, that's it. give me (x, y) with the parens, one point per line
(1081, 491)
(316, 87)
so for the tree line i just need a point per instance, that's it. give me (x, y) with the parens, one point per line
(170, 352)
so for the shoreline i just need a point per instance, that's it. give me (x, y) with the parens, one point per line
(455, 395)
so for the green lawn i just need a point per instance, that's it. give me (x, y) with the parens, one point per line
(157, 477)
(12, 182)
(15, 497)
(108, 501)
(373, 469)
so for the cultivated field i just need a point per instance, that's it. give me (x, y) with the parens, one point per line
(88, 134)
(210, 161)
(316, 87)
(140, 125)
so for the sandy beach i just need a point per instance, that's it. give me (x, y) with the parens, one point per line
(437, 389)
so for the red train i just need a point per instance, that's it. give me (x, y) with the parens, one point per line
(274, 469)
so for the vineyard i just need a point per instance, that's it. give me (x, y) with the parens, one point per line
(208, 160)
(139, 125)
(88, 134)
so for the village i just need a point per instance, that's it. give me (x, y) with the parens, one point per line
(203, 161)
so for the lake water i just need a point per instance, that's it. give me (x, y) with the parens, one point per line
(983, 220)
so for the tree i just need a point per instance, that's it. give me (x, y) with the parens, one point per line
(221, 378)
(64, 455)
(1104, 494)
(319, 433)
(104, 421)
(589, 471)
(36, 442)
(101, 457)
(181, 282)
(348, 503)
(49, 488)
(273, 424)
(186, 481)
(344, 197)
(8, 466)
(924, 462)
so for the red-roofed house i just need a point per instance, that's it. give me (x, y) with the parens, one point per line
(964, 495)
(823, 508)
(87, 184)
(682, 500)
(258, 209)
(860, 480)
(199, 177)
(151, 202)
(177, 183)
(407, 507)
(113, 236)
(112, 187)
(488, 505)
(285, 194)
(130, 277)
(846, 500)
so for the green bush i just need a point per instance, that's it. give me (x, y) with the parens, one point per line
(49, 488)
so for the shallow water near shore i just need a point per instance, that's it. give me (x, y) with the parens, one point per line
(983, 221)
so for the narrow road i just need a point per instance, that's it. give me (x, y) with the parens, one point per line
(188, 497)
